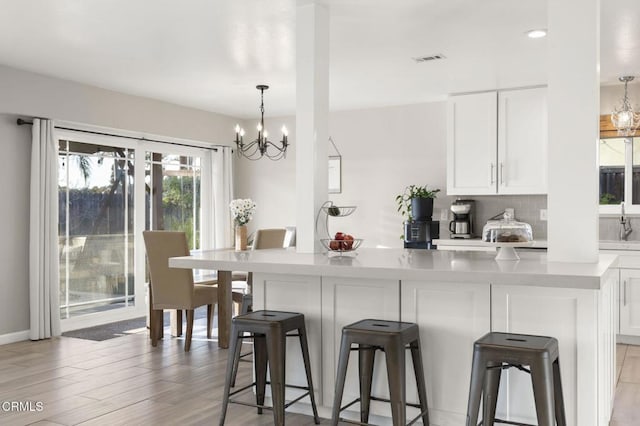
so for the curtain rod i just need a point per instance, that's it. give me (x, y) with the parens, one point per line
(22, 122)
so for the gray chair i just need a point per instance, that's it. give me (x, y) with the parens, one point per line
(495, 352)
(269, 331)
(392, 337)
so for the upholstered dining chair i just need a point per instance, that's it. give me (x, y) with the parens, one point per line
(269, 238)
(173, 288)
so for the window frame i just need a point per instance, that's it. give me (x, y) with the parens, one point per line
(614, 210)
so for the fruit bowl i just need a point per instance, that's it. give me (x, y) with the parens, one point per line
(341, 246)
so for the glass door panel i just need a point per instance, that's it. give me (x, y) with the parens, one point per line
(96, 214)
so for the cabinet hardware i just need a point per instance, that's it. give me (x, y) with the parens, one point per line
(491, 173)
(625, 293)
(501, 173)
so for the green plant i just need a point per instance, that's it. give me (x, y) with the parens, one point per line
(411, 192)
(607, 198)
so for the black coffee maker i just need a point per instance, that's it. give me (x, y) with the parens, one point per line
(419, 232)
(462, 224)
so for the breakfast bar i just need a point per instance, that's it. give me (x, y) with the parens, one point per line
(455, 298)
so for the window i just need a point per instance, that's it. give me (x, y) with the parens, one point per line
(619, 174)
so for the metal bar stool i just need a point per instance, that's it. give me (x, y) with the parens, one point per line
(392, 337)
(269, 329)
(495, 352)
(247, 306)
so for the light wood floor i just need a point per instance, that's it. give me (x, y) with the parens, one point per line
(124, 381)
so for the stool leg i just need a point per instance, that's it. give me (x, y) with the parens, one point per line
(490, 394)
(236, 361)
(304, 346)
(559, 399)
(227, 383)
(345, 349)
(396, 373)
(276, 349)
(260, 367)
(366, 359)
(542, 380)
(475, 388)
(418, 369)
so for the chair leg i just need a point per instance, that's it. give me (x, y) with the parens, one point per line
(490, 394)
(396, 373)
(153, 327)
(418, 369)
(187, 340)
(304, 346)
(341, 375)
(210, 309)
(542, 380)
(179, 322)
(366, 359)
(561, 419)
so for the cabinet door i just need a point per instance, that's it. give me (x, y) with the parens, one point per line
(451, 317)
(630, 302)
(472, 144)
(522, 141)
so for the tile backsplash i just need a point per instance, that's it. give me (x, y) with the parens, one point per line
(526, 207)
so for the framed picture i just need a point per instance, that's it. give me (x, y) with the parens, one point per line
(335, 174)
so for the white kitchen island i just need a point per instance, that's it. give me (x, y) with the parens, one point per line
(455, 298)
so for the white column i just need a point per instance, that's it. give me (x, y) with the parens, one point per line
(574, 102)
(312, 120)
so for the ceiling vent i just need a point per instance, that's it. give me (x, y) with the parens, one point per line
(429, 58)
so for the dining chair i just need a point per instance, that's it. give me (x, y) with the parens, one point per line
(173, 288)
(269, 238)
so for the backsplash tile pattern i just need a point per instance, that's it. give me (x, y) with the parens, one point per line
(526, 207)
(610, 228)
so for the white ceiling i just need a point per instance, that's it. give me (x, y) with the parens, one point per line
(210, 54)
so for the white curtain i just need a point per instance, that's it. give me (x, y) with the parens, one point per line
(44, 283)
(222, 186)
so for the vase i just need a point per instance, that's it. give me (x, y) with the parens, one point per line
(241, 237)
(422, 209)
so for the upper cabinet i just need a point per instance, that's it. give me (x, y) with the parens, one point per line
(497, 143)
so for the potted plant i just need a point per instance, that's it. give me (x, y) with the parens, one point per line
(416, 202)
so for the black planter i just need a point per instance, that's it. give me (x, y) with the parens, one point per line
(421, 208)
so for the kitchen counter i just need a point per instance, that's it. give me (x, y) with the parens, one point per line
(407, 264)
(477, 242)
(455, 297)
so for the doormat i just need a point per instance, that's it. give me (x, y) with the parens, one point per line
(122, 328)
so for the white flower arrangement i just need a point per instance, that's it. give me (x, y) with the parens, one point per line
(242, 210)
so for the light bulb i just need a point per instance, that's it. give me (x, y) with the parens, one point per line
(237, 128)
(266, 134)
(259, 127)
(285, 131)
(241, 132)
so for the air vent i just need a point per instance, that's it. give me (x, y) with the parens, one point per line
(429, 58)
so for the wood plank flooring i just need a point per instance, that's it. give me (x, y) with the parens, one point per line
(125, 381)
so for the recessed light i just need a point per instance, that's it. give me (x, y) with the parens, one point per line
(536, 33)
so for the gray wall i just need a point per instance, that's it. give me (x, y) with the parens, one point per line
(26, 94)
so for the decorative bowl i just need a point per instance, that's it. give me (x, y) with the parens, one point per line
(341, 246)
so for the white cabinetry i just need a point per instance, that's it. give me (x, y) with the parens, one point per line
(630, 302)
(450, 317)
(497, 143)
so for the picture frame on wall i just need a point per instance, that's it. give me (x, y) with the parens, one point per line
(335, 174)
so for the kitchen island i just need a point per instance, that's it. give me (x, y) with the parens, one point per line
(455, 298)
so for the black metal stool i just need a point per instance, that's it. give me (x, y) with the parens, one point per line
(497, 351)
(269, 330)
(392, 337)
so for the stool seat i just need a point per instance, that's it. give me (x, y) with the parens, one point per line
(392, 337)
(497, 351)
(269, 330)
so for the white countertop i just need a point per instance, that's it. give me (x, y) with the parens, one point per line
(408, 264)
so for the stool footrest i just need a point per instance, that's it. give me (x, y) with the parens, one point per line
(235, 392)
(375, 398)
(507, 422)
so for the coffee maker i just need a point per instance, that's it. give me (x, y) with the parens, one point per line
(462, 224)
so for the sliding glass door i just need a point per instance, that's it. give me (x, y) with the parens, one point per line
(110, 189)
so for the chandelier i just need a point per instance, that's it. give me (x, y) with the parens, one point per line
(261, 146)
(624, 119)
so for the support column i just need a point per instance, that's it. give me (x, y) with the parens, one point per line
(312, 120)
(574, 105)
